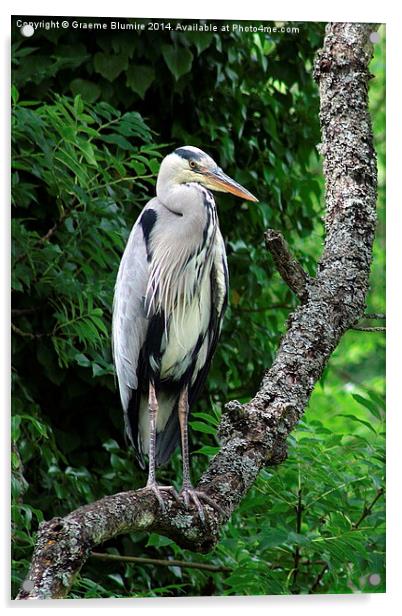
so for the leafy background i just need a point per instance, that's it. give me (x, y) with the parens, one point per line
(92, 116)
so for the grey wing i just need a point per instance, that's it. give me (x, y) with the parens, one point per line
(129, 324)
(221, 277)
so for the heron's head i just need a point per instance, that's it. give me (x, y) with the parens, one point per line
(190, 164)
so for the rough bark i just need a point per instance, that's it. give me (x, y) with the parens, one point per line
(290, 269)
(253, 435)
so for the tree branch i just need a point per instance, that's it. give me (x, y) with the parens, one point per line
(288, 267)
(253, 435)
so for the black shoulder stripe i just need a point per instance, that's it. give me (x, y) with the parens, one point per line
(226, 274)
(147, 222)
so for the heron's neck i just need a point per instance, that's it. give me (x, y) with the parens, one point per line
(180, 252)
(191, 203)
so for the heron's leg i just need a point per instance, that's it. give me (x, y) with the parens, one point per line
(151, 483)
(187, 491)
(183, 420)
(153, 413)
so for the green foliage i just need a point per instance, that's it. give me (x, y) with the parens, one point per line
(84, 165)
(337, 474)
(92, 117)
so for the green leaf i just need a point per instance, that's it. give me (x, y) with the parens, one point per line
(15, 427)
(110, 66)
(88, 151)
(14, 94)
(202, 427)
(82, 360)
(119, 140)
(298, 539)
(24, 51)
(201, 40)
(111, 445)
(139, 78)
(100, 325)
(116, 577)
(354, 418)
(178, 59)
(158, 541)
(368, 404)
(209, 418)
(78, 105)
(273, 537)
(138, 167)
(39, 427)
(132, 125)
(207, 450)
(89, 90)
(73, 165)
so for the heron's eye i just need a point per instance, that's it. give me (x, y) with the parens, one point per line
(192, 164)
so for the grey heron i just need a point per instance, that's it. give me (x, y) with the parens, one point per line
(170, 298)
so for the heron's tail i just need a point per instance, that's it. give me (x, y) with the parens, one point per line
(167, 440)
(167, 427)
(131, 423)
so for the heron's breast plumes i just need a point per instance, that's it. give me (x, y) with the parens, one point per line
(179, 289)
(187, 333)
(175, 285)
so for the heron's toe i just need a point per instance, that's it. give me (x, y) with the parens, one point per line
(188, 493)
(157, 490)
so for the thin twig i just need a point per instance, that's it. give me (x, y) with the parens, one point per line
(375, 315)
(303, 562)
(49, 232)
(131, 179)
(368, 508)
(159, 562)
(20, 311)
(308, 562)
(361, 328)
(24, 334)
(299, 510)
(318, 579)
(264, 308)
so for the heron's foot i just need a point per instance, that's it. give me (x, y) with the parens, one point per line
(158, 491)
(188, 494)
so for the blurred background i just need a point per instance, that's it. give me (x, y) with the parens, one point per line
(93, 113)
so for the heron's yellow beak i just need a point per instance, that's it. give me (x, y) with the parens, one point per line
(218, 180)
